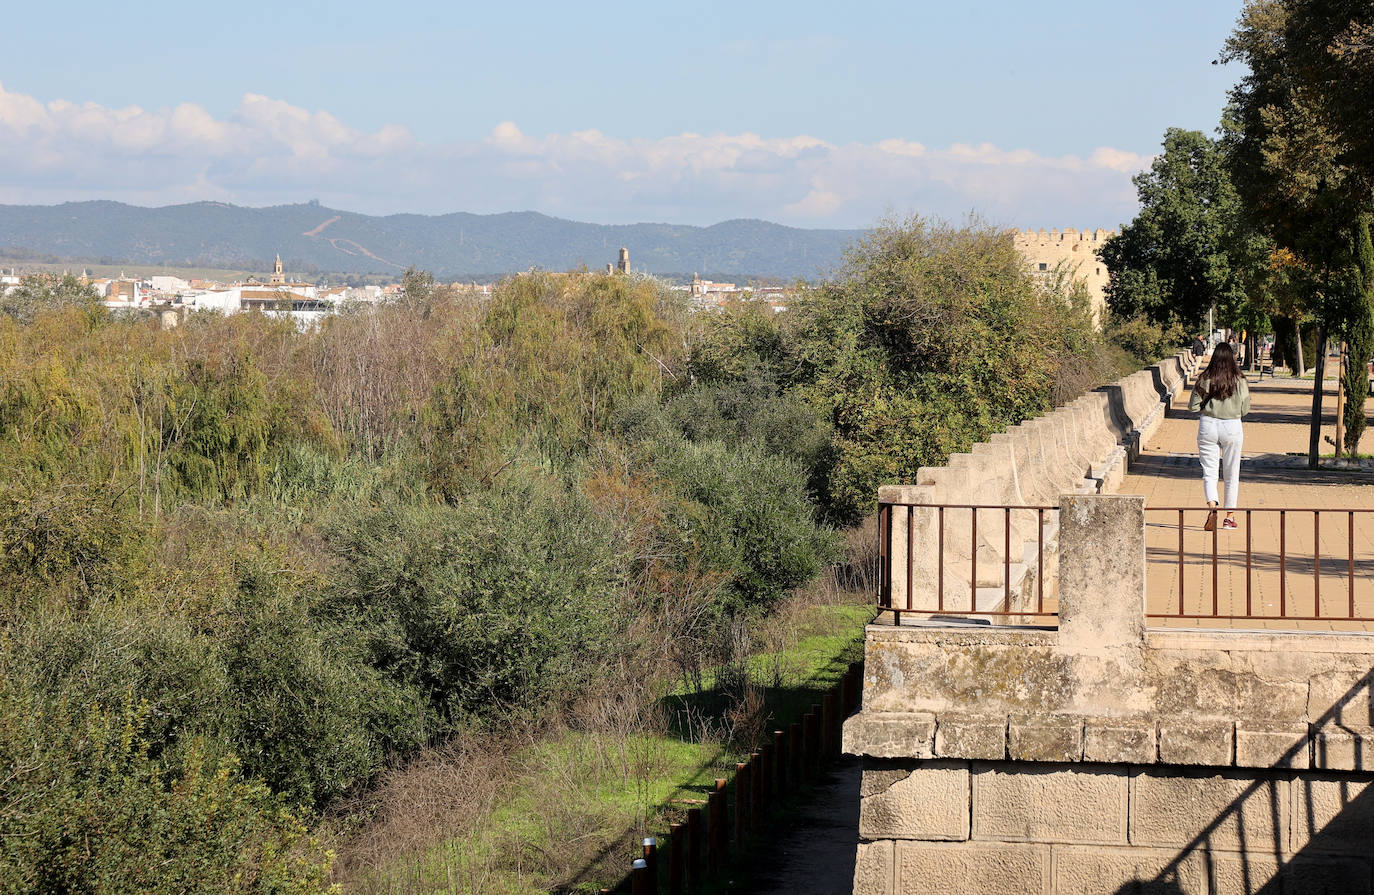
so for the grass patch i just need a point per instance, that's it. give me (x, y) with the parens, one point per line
(570, 805)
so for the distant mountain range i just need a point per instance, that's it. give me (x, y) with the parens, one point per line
(314, 239)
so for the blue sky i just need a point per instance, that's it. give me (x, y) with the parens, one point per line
(1031, 114)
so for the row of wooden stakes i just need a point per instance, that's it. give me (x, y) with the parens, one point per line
(701, 847)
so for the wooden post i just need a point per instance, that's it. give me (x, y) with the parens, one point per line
(640, 881)
(717, 833)
(780, 762)
(694, 855)
(757, 773)
(677, 856)
(809, 741)
(830, 719)
(796, 752)
(741, 803)
(651, 861)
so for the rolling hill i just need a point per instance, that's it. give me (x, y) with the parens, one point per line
(312, 239)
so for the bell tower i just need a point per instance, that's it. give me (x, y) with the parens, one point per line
(278, 278)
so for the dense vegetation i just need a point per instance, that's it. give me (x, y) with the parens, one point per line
(245, 569)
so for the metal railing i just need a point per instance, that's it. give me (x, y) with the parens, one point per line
(1277, 570)
(907, 512)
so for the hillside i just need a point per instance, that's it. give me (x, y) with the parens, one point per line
(312, 238)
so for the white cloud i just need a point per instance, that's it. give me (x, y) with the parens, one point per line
(269, 151)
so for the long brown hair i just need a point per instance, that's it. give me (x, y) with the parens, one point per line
(1222, 373)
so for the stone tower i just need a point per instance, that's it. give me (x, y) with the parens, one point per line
(278, 278)
(623, 265)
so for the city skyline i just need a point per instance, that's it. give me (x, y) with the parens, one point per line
(1026, 117)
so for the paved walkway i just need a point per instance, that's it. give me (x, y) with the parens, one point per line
(1277, 581)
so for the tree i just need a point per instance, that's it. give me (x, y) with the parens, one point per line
(1359, 337)
(47, 292)
(1295, 149)
(1174, 261)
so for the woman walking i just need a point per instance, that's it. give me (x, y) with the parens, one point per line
(1221, 396)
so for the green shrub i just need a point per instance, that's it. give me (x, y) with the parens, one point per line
(744, 512)
(508, 601)
(86, 808)
(1144, 339)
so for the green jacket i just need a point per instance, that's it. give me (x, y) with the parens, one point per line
(1232, 408)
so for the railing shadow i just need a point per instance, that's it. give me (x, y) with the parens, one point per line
(1326, 838)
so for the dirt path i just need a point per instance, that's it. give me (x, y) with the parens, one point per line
(812, 852)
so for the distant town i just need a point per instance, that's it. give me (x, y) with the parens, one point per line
(172, 297)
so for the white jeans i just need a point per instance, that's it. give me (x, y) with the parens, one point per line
(1218, 443)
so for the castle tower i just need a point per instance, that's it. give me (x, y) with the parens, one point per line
(623, 265)
(278, 278)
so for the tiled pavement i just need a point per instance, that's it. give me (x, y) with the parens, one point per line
(1274, 477)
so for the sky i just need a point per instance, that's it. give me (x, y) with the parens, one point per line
(814, 115)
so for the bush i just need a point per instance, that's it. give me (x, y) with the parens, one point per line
(743, 512)
(508, 601)
(89, 809)
(1144, 339)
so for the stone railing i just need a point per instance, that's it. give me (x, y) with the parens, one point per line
(1083, 447)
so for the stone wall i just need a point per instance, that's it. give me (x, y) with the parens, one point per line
(1076, 250)
(1100, 755)
(993, 827)
(1083, 447)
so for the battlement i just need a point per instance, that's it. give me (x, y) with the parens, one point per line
(1067, 235)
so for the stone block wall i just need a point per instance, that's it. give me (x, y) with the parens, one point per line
(994, 827)
(1102, 756)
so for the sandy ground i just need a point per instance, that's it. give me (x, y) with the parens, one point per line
(1284, 575)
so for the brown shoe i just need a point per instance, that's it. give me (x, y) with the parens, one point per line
(1211, 523)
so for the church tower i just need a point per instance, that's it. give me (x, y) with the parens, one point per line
(278, 278)
(623, 265)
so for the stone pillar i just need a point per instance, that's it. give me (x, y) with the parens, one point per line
(1101, 570)
(1102, 601)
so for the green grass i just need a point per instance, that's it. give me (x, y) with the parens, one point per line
(579, 802)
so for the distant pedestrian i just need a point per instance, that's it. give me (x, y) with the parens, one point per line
(1199, 346)
(1221, 397)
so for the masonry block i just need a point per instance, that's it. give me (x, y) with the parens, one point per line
(874, 869)
(1333, 813)
(1343, 749)
(1014, 802)
(1120, 740)
(1045, 738)
(1202, 743)
(942, 869)
(1245, 874)
(971, 736)
(1169, 807)
(890, 734)
(1105, 871)
(930, 802)
(1272, 745)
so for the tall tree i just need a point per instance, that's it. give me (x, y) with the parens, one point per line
(1294, 147)
(1359, 336)
(1174, 261)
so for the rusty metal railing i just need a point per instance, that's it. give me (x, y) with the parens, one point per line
(1280, 582)
(886, 510)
